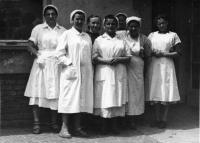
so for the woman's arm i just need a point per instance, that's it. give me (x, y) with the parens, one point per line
(100, 60)
(32, 49)
(120, 60)
(172, 54)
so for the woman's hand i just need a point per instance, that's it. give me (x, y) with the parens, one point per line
(114, 61)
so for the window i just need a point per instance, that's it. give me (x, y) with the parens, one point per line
(18, 17)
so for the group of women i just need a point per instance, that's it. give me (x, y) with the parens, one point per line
(78, 72)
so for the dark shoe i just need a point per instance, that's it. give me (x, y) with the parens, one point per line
(36, 128)
(115, 131)
(81, 133)
(54, 127)
(132, 126)
(162, 125)
(154, 123)
(64, 133)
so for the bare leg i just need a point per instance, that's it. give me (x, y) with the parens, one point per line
(165, 112)
(36, 113)
(64, 131)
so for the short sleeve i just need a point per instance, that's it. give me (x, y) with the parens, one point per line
(95, 49)
(175, 39)
(127, 51)
(34, 34)
(150, 36)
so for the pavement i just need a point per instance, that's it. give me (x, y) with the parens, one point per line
(183, 127)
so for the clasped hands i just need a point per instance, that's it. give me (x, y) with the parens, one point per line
(158, 53)
(114, 61)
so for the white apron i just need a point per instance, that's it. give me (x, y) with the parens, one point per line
(135, 80)
(161, 77)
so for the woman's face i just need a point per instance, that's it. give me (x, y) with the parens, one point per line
(110, 26)
(78, 21)
(94, 24)
(122, 22)
(162, 25)
(50, 16)
(133, 27)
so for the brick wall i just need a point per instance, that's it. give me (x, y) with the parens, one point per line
(15, 110)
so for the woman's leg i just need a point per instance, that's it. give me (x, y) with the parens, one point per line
(132, 123)
(64, 131)
(157, 121)
(77, 120)
(78, 130)
(36, 112)
(114, 126)
(165, 112)
(157, 109)
(54, 125)
(163, 121)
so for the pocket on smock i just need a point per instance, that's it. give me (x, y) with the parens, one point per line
(71, 73)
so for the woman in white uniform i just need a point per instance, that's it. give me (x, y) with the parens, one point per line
(76, 86)
(43, 83)
(110, 56)
(140, 47)
(161, 84)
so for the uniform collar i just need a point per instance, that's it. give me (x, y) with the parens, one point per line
(105, 35)
(76, 31)
(45, 25)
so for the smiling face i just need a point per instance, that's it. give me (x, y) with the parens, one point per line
(94, 24)
(162, 25)
(110, 26)
(50, 16)
(78, 21)
(133, 27)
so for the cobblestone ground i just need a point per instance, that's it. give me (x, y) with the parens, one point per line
(19, 135)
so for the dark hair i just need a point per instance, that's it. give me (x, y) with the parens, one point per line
(110, 16)
(27, 17)
(48, 8)
(162, 16)
(133, 21)
(78, 12)
(93, 16)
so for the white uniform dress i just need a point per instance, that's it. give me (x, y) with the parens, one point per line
(76, 91)
(161, 82)
(43, 84)
(110, 82)
(135, 70)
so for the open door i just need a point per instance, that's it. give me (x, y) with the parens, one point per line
(193, 97)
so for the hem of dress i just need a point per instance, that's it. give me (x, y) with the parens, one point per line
(164, 102)
(70, 111)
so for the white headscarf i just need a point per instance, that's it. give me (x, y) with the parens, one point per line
(133, 18)
(50, 6)
(75, 11)
(121, 14)
(104, 20)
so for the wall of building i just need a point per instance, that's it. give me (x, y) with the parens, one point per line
(140, 8)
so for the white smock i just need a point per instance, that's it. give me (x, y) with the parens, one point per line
(76, 83)
(110, 82)
(43, 83)
(161, 84)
